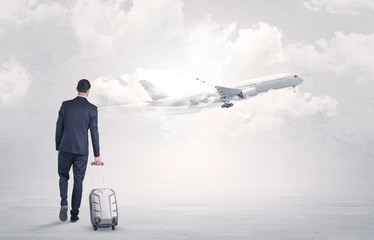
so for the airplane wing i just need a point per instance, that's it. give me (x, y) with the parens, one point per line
(228, 93)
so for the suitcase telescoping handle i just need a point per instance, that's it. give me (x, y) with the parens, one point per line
(93, 163)
(93, 173)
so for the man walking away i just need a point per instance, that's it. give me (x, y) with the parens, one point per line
(75, 117)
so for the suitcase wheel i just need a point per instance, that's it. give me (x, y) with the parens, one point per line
(113, 228)
(94, 227)
(114, 221)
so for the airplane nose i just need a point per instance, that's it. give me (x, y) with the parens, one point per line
(298, 79)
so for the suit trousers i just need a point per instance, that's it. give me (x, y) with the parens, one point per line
(79, 163)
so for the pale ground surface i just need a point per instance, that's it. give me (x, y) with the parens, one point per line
(338, 212)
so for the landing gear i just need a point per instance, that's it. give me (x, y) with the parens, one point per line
(227, 105)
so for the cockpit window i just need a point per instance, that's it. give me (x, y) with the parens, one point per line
(295, 76)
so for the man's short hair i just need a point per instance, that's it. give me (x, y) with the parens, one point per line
(83, 85)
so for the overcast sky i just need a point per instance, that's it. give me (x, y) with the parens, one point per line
(323, 130)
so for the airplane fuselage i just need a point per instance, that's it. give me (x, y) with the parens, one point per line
(236, 91)
(271, 82)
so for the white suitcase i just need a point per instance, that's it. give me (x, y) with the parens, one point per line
(103, 205)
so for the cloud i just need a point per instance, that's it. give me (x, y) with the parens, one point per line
(272, 137)
(101, 25)
(225, 53)
(97, 22)
(14, 81)
(265, 116)
(156, 29)
(21, 11)
(350, 53)
(338, 6)
(126, 89)
(345, 54)
(149, 14)
(107, 91)
(36, 33)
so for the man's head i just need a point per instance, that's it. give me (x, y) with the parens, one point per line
(83, 87)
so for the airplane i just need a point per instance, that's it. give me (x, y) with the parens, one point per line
(237, 91)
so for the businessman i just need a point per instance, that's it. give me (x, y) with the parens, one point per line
(75, 118)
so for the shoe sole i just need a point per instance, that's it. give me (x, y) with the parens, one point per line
(63, 213)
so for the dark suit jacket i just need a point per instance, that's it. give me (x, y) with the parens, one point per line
(75, 117)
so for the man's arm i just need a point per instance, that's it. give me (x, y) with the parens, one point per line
(59, 127)
(95, 136)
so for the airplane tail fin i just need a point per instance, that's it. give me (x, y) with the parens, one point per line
(153, 92)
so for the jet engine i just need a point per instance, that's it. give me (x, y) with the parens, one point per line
(248, 92)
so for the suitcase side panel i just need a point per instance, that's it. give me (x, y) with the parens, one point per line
(103, 206)
(95, 206)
